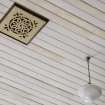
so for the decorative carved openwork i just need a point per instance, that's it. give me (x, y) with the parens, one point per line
(22, 24)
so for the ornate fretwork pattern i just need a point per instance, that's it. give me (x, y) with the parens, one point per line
(20, 25)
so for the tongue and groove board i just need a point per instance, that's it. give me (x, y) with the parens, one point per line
(52, 67)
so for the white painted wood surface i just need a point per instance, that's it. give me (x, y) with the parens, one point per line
(51, 69)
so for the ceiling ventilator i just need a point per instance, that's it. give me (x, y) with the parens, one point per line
(89, 92)
(21, 23)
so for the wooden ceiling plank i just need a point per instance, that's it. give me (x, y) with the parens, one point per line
(57, 64)
(79, 13)
(38, 83)
(5, 102)
(86, 8)
(51, 15)
(16, 66)
(11, 79)
(42, 91)
(96, 4)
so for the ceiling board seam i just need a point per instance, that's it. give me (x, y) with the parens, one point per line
(37, 73)
(43, 93)
(67, 92)
(69, 2)
(78, 16)
(42, 7)
(38, 60)
(25, 92)
(19, 90)
(67, 20)
(6, 101)
(44, 69)
(69, 53)
(93, 6)
(3, 58)
(41, 87)
(64, 18)
(97, 52)
(46, 35)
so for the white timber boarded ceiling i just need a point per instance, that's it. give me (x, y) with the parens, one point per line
(52, 67)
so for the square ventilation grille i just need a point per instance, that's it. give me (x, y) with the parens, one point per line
(21, 23)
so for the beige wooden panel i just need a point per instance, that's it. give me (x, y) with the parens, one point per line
(87, 8)
(97, 4)
(52, 67)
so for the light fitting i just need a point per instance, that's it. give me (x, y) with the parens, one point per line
(89, 92)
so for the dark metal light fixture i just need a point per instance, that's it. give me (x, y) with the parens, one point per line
(89, 92)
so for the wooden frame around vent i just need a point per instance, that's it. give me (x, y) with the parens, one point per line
(21, 23)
